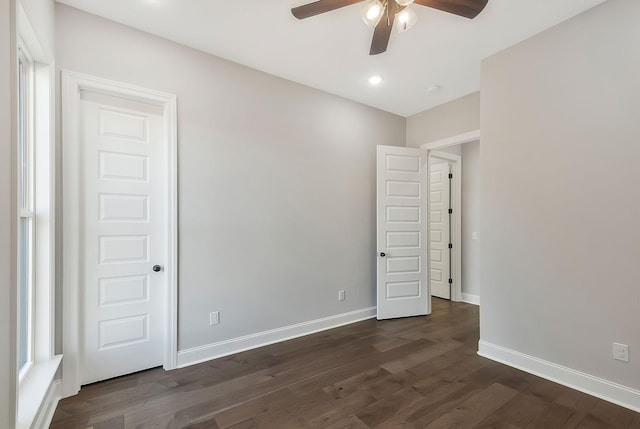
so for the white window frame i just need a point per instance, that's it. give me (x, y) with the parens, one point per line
(26, 194)
(37, 391)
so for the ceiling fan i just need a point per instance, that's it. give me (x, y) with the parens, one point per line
(380, 14)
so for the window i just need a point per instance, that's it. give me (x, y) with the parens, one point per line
(25, 194)
(35, 224)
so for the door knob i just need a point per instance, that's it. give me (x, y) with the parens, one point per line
(382, 254)
(157, 268)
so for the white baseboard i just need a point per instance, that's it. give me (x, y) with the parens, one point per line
(235, 345)
(589, 384)
(470, 298)
(47, 410)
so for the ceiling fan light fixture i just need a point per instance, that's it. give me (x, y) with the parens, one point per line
(406, 19)
(372, 13)
(398, 12)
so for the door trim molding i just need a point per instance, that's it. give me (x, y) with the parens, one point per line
(72, 85)
(471, 136)
(456, 291)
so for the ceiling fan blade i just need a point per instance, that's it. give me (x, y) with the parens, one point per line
(320, 6)
(382, 32)
(467, 8)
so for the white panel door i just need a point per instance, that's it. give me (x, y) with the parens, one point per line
(402, 232)
(439, 231)
(123, 200)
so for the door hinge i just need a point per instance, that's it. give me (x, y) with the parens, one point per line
(450, 281)
(450, 245)
(450, 211)
(450, 175)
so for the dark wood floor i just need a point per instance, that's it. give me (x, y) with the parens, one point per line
(406, 373)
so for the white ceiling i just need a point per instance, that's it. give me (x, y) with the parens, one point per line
(331, 51)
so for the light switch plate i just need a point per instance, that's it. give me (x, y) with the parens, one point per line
(214, 318)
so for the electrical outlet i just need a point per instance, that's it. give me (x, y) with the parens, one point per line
(341, 296)
(621, 352)
(214, 318)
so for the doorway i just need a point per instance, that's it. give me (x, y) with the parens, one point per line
(120, 230)
(402, 278)
(444, 225)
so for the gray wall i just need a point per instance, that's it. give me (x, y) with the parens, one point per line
(559, 192)
(450, 119)
(470, 217)
(7, 218)
(276, 182)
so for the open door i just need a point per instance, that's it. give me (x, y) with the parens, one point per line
(402, 232)
(440, 230)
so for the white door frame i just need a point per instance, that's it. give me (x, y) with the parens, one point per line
(456, 161)
(469, 137)
(72, 85)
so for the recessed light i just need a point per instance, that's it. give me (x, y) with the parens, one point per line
(375, 80)
(434, 88)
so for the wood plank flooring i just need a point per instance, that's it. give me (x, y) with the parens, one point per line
(418, 372)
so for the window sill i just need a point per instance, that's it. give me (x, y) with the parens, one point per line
(33, 390)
